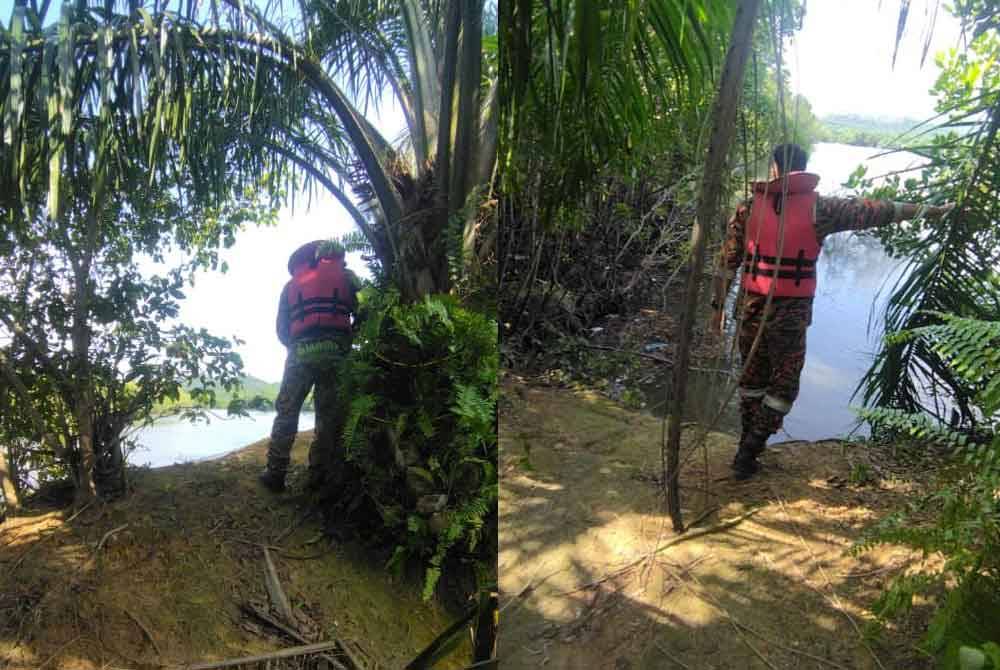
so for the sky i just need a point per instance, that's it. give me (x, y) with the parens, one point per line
(841, 60)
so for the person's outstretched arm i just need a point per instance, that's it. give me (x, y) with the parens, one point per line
(836, 215)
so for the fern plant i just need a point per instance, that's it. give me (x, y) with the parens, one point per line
(419, 431)
(960, 519)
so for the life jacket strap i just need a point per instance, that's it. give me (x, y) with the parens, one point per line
(752, 263)
(318, 305)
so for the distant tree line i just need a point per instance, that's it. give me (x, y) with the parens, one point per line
(866, 131)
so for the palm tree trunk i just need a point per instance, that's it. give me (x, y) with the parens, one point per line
(724, 126)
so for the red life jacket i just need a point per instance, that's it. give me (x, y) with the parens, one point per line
(797, 264)
(319, 297)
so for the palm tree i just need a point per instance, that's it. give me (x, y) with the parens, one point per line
(245, 100)
(217, 103)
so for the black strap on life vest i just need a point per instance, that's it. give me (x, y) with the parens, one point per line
(318, 305)
(752, 262)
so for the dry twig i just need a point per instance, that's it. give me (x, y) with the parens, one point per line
(107, 536)
(725, 525)
(145, 630)
(711, 601)
(283, 653)
(20, 559)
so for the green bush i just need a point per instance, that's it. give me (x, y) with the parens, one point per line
(420, 432)
(960, 518)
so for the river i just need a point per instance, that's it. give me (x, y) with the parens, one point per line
(854, 278)
(170, 441)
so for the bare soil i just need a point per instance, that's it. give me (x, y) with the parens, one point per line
(160, 577)
(581, 518)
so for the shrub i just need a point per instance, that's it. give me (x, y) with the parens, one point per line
(420, 432)
(960, 518)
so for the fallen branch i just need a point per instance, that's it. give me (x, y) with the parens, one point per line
(671, 657)
(274, 590)
(294, 634)
(704, 515)
(273, 656)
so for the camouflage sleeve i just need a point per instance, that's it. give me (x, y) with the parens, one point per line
(732, 254)
(283, 324)
(836, 215)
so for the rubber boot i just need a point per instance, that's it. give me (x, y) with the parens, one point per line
(272, 480)
(745, 463)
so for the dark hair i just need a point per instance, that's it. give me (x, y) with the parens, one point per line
(796, 156)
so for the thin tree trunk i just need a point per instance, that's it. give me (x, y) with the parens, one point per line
(7, 483)
(724, 125)
(83, 404)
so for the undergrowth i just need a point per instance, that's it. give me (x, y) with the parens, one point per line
(960, 517)
(420, 431)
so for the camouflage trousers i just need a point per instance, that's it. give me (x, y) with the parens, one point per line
(308, 369)
(770, 380)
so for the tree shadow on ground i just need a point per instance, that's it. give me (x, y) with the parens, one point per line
(580, 501)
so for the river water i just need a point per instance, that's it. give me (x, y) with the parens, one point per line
(854, 278)
(172, 441)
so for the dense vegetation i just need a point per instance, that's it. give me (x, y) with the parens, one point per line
(606, 128)
(935, 378)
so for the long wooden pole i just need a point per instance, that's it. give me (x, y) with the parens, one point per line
(723, 128)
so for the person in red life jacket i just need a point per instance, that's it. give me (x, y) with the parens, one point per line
(782, 263)
(315, 324)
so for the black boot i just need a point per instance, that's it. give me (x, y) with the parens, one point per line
(272, 480)
(745, 463)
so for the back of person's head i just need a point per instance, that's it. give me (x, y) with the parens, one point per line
(789, 158)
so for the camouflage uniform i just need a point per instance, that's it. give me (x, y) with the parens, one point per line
(770, 380)
(311, 364)
(302, 373)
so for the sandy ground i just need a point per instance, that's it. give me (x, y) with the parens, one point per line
(159, 578)
(581, 516)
